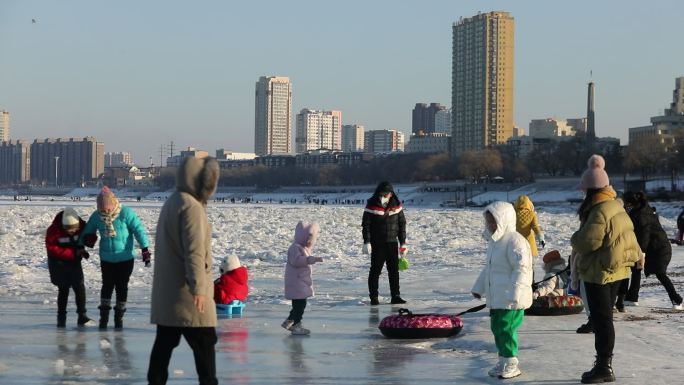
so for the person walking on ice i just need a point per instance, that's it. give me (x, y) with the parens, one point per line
(118, 226)
(298, 280)
(506, 283)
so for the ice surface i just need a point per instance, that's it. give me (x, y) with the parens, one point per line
(345, 347)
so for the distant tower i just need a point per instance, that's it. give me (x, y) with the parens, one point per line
(591, 129)
(273, 116)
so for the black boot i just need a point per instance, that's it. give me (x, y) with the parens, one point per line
(61, 319)
(586, 328)
(396, 300)
(119, 311)
(104, 315)
(374, 301)
(601, 372)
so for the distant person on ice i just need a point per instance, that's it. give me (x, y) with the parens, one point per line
(604, 248)
(64, 262)
(680, 227)
(183, 287)
(119, 227)
(506, 283)
(384, 238)
(298, 279)
(232, 284)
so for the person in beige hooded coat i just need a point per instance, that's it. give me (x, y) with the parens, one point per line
(183, 288)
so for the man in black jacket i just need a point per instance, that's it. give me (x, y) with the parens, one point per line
(384, 238)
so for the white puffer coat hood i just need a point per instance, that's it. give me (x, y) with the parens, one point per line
(506, 280)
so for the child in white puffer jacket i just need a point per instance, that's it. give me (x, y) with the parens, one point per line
(506, 283)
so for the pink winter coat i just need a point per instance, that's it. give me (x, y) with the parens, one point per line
(298, 281)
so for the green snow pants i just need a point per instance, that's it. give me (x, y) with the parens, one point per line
(505, 324)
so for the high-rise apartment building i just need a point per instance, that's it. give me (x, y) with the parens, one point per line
(15, 162)
(383, 141)
(117, 159)
(669, 127)
(578, 124)
(318, 130)
(482, 81)
(273, 116)
(424, 117)
(4, 126)
(66, 161)
(352, 137)
(550, 128)
(443, 121)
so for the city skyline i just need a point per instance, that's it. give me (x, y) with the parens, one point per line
(186, 74)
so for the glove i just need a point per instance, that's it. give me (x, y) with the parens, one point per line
(146, 256)
(82, 253)
(318, 259)
(403, 250)
(542, 243)
(366, 248)
(90, 240)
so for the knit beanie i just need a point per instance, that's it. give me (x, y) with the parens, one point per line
(229, 263)
(551, 256)
(595, 176)
(106, 200)
(70, 217)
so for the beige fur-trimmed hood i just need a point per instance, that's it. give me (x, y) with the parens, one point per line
(198, 177)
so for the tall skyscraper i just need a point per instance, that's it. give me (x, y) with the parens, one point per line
(318, 130)
(482, 81)
(352, 137)
(4, 126)
(273, 116)
(424, 117)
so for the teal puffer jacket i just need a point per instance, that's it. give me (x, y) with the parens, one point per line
(120, 247)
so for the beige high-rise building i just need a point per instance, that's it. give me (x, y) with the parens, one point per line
(66, 161)
(273, 116)
(4, 126)
(318, 130)
(482, 81)
(352, 137)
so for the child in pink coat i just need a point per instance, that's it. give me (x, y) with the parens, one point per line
(298, 281)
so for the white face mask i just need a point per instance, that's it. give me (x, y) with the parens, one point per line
(384, 200)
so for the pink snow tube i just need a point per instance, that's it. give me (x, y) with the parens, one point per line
(409, 325)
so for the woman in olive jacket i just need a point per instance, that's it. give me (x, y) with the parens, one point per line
(605, 248)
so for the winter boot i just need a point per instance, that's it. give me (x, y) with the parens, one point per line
(374, 301)
(104, 315)
(119, 311)
(61, 319)
(586, 328)
(497, 370)
(396, 300)
(83, 320)
(299, 330)
(287, 324)
(601, 372)
(510, 368)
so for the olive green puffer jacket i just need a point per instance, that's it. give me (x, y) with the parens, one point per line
(606, 244)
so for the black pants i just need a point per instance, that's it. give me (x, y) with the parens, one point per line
(669, 287)
(630, 287)
(386, 253)
(115, 275)
(601, 299)
(67, 275)
(202, 341)
(297, 312)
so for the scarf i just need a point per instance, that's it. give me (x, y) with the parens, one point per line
(109, 219)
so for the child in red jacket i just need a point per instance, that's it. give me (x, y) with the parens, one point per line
(232, 284)
(64, 262)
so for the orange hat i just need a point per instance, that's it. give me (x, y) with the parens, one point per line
(551, 256)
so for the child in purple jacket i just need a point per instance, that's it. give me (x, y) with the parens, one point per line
(298, 281)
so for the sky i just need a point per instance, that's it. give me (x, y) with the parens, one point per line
(138, 75)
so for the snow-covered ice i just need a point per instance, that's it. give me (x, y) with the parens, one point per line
(345, 347)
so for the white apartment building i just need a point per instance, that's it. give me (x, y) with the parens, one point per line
(550, 128)
(4, 126)
(352, 137)
(118, 159)
(318, 130)
(223, 154)
(273, 116)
